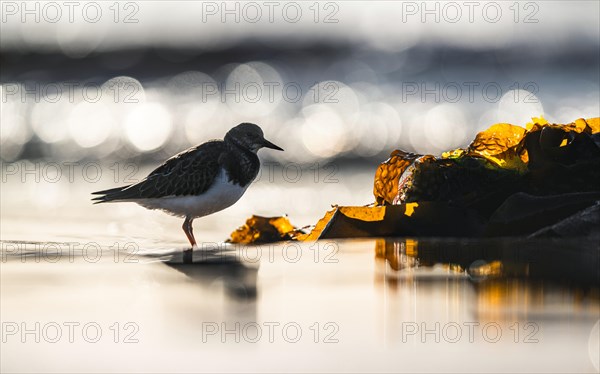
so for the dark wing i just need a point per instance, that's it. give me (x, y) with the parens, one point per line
(190, 172)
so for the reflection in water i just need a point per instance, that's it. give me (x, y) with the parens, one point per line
(223, 265)
(572, 261)
(512, 281)
(421, 304)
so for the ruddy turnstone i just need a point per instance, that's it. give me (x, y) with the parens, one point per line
(198, 181)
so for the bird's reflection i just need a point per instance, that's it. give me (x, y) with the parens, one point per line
(220, 264)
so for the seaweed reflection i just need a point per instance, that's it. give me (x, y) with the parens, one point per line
(509, 281)
(573, 262)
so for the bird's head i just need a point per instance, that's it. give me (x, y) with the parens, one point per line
(249, 136)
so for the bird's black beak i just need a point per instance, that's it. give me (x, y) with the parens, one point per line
(268, 144)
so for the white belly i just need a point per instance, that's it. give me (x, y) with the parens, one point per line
(222, 194)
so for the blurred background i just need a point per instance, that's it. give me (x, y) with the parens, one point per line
(330, 80)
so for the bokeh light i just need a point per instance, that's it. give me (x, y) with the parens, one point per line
(519, 106)
(49, 121)
(143, 87)
(148, 126)
(90, 124)
(445, 127)
(323, 131)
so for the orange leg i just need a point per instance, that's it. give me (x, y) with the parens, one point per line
(189, 232)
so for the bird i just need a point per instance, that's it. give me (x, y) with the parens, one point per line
(199, 181)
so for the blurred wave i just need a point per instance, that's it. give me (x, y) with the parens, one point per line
(343, 81)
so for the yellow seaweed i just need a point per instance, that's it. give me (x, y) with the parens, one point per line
(264, 229)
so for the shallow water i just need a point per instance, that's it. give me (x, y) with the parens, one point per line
(102, 288)
(327, 306)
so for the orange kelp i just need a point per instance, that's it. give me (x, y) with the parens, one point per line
(542, 159)
(509, 181)
(265, 230)
(410, 219)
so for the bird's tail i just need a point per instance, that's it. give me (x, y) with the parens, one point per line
(109, 195)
